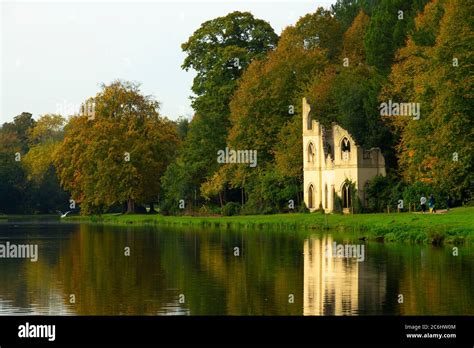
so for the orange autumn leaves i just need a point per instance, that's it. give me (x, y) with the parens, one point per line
(120, 154)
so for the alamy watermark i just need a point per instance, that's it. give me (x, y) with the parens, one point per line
(84, 109)
(349, 251)
(20, 251)
(37, 331)
(400, 109)
(237, 156)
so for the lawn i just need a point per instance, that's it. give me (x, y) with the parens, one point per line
(456, 226)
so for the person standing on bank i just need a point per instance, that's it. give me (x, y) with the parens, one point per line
(423, 203)
(431, 204)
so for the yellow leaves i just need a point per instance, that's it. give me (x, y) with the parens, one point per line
(44, 137)
(38, 159)
(120, 154)
(352, 43)
(48, 127)
(216, 184)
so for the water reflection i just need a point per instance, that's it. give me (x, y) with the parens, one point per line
(197, 272)
(340, 285)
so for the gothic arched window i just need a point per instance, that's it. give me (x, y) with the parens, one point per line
(345, 149)
(346, 196)
(311, 153)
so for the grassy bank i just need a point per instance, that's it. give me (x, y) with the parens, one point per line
(456, 227)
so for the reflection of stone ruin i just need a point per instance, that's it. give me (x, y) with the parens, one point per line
(330, 158)
(339, 286)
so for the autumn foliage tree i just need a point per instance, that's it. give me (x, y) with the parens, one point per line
(435, 70)
(118, 155)
(266, 107)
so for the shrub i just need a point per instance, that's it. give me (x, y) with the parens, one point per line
(382, 191)
(412, 193)
(230, 209)
(302, 208)
(166, 207)
(209, 209)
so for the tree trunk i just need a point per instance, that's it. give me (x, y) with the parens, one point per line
(220, 198)
(130, 206)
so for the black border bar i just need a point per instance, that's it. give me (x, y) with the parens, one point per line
(200, 330)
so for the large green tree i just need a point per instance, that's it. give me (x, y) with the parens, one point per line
(14, 187)
(219, 51)
(390, 22)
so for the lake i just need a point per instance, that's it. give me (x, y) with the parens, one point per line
(85, 269)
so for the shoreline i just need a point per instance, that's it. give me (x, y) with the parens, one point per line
(454, 227)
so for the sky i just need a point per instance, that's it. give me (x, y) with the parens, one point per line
(56, 54)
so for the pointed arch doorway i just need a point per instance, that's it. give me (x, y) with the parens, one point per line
(346, 197)
(311, 196)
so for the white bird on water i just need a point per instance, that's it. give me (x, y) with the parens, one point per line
(63, 215)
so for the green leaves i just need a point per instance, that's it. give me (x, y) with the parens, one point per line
(388, 29)
(223, 47)
(220, 50)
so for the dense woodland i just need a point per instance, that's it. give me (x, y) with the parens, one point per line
(247, 95)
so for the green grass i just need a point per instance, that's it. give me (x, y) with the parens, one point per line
(455, 227)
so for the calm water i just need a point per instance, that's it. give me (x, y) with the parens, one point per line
(196, 272)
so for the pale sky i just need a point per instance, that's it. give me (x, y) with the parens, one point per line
(55, 54)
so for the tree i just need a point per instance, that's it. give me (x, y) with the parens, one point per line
(348, 93)
(223, 47)
(182, 125)
(345, 11)
(45, 193)
(19, 129)
(219, 51)
(353, 45)
(43, 138)
(436, 149)
(316, 30)
(263, 111)
(14, 187)
(120, 154)
(390, 22)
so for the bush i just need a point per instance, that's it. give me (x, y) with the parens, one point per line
(412, 194)
(302, 208)
(167, 208)
(209, 210)
(230, 209)
(382, 191)
(251, 207)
